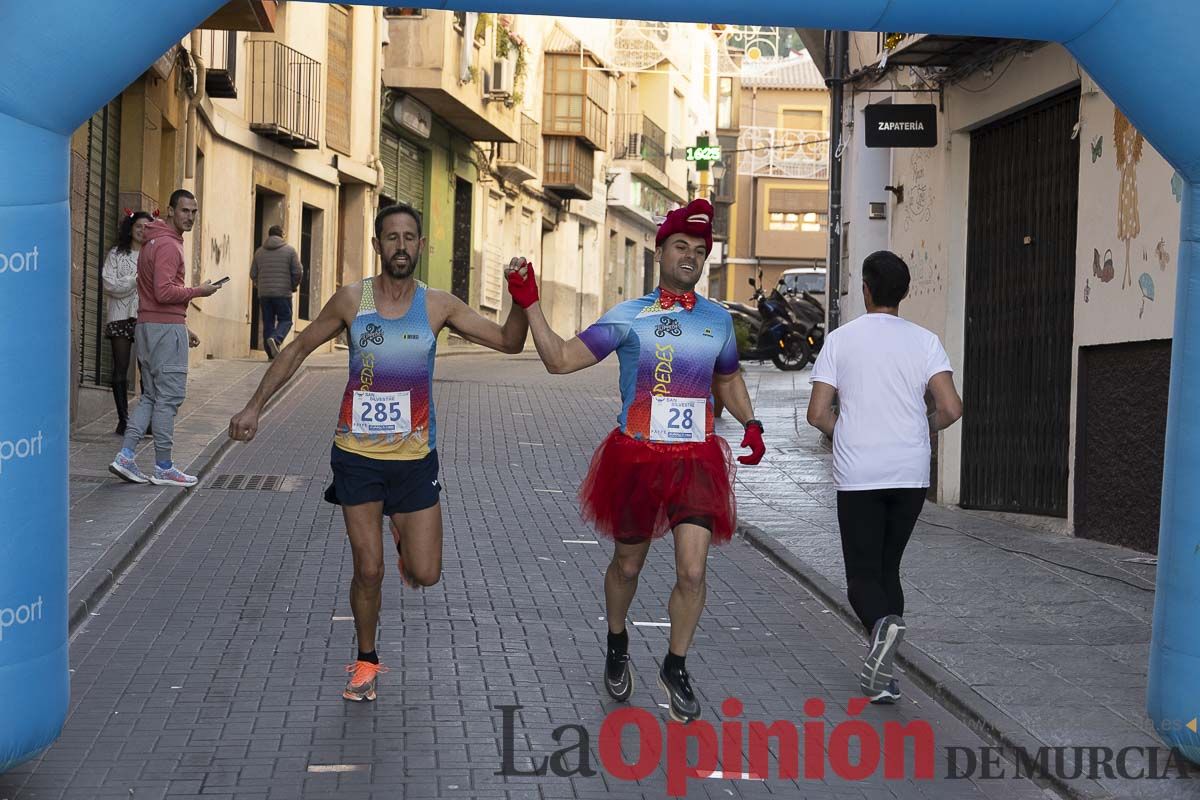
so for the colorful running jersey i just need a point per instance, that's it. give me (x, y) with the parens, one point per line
(387, 408)
(668, 358)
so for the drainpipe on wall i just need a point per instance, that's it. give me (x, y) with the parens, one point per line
(194, 96)
(835, 82)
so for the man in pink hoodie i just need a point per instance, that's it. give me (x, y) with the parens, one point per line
(162, 338)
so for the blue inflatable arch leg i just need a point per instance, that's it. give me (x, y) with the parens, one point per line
(1138, 50)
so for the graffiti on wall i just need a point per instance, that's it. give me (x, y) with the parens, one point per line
(219, 249)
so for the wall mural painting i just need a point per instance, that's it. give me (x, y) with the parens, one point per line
(1160, 252)
(1103, 270)
(1087, 289)
(1097, 148)
(925, 272)
(1146, 284)
(918, 195)
(1127, 143)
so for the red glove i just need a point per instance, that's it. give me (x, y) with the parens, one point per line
(524, 290)
(753, 440)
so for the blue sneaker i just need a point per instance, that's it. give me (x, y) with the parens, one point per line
(173, 477)
(126, 469)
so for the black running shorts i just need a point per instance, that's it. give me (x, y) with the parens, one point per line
(402, 486)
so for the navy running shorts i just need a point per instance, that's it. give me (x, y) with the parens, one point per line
(402, 486)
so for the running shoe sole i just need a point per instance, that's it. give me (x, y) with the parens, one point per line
(125, 474)
(877, 669)
(358, 698)
(671, 706)
(165, 482)
(623, 690)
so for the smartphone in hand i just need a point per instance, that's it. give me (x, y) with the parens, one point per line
(221, 282)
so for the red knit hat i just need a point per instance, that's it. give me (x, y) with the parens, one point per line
(695, 219)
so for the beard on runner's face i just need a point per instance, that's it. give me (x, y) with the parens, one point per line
(403, 260)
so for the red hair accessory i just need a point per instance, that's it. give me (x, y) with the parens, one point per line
(156, 213)
(695, 219)
(129, 212)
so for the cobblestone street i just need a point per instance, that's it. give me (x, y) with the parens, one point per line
(215, 666)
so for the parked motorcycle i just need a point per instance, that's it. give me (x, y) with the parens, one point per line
(769, 330)
(811, 314)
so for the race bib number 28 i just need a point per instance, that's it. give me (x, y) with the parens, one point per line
(382, 413)
(677, 419)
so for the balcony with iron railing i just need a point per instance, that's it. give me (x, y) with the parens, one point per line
(639, 139)
(521, 161)
(285, 94)
(218, 51)
(783, 153)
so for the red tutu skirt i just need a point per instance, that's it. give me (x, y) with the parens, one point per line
(637, 490)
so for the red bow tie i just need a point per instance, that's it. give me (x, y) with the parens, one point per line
(666, 299)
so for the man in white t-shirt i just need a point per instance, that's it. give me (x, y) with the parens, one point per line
(880, 367)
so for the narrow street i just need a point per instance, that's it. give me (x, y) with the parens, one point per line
(215, 667)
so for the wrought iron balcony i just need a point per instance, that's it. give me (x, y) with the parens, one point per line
(218, 50)
(285, 94)
(640, 139)
(521, 161)
(783, 153)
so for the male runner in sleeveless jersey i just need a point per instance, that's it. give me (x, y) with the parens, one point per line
(384, 455)
(662, 469)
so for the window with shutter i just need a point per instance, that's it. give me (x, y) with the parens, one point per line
(403, 171)
(338, 88)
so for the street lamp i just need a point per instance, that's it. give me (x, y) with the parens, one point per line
(718, 173)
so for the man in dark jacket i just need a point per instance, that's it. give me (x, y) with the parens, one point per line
(276, 272)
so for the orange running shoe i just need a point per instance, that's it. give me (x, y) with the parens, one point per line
(363, 676)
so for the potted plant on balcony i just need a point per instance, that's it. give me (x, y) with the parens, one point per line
(508, 43)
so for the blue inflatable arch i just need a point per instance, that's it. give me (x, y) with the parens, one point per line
(57, 65)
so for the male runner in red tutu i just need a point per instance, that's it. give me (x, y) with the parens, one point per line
(662, 469)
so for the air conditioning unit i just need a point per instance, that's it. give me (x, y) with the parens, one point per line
(502, 77)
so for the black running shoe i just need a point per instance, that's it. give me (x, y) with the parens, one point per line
(888, 695)
(681, 700)
(618, 675)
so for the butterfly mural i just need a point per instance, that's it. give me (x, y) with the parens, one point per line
(1097, 148)
(1146, 284)
(1103, 270)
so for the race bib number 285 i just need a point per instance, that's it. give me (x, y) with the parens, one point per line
(677, 419)
(382, 413)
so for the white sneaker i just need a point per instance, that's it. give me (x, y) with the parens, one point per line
(172, 477)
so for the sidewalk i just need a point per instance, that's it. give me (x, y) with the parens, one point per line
(110, 520)
(1033, 637)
